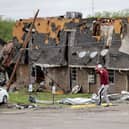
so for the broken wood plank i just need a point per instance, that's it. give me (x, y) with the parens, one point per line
(27, 39)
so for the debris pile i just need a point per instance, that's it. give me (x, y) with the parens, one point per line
(124, 96)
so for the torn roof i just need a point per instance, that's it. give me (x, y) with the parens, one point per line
(75, 42)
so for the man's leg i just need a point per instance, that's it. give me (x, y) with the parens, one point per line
(105, 94)
(100, 95)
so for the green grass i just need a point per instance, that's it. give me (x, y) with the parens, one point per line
(18, 97)
(21, 97)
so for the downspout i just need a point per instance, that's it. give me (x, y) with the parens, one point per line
(126, 79)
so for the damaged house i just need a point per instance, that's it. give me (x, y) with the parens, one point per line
(66, 49)
(5, 65)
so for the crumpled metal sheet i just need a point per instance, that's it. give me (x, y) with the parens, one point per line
(76, 101)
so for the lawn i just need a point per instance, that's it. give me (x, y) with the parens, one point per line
(21, 97)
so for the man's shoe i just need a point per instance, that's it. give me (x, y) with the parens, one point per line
(107, 105)
(99, 103)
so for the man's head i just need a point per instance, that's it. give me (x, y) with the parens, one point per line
(98, 67)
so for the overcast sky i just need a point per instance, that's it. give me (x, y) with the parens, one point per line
(16, 9)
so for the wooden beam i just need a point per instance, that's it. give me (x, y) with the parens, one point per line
(27, 39)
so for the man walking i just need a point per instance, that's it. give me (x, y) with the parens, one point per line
(104, 81)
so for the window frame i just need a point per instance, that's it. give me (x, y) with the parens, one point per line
(112, 76)
(92, 77)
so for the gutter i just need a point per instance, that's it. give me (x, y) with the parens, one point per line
(77, 66)
(46, 65)
(110, 68)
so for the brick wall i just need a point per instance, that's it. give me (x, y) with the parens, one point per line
(60, 76)
(22, 75)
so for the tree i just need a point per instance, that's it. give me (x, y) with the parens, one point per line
(6, 29)
(114, 14)
(106, 14)
(98, 14)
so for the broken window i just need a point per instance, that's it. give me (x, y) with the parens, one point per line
(124, 29)
(111, 76)
(96, 28)
(107, 29)
(38, 73)
(125, 39)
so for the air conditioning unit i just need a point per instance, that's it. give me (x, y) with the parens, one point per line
(73, 15)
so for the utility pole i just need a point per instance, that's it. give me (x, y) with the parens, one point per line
(92, 7)
(25, 43)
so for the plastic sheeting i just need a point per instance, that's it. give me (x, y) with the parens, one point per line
(106, 33)
(124, 96)
(76, 101)
(125, 42)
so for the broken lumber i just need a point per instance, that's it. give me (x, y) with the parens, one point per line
(27, 39)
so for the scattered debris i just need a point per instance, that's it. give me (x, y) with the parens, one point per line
(104, 52)
(114, 97)
(76, 89)
(76, 101)
(81, 54)
(30, 88)
(93, 54)
(41, 87)
(25, 106)
(33, 99)
(124, 96)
